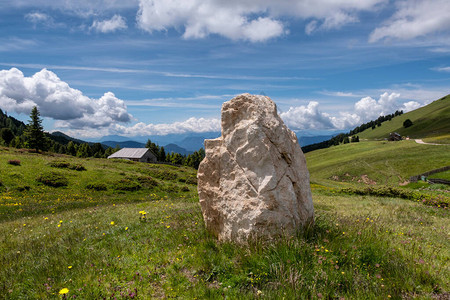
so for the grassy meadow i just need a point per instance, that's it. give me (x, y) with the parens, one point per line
(431, 122)
(383, 162)
(101, 229)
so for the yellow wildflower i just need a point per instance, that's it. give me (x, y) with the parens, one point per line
(63, 291)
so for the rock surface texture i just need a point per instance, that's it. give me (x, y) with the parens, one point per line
(253, 182)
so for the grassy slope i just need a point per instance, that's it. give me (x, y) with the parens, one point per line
(431, 121)
(96, 245)
(45, 199)
(383, 162)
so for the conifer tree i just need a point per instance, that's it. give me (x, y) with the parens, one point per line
(34, 132)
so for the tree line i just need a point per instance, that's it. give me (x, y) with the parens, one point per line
(351, 136)
(192, 160)
(14, 133)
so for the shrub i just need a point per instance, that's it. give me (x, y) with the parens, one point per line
(53, 179)
(14, 162)
(147, 181)
(127, 185)
(77, 167)
(66, 165)
(23, 188)
(59, 164)
(191, 180)
(97, 186)
(171, 188)
(439, 201)
(407, 123)
(185, 189)
(164, 174)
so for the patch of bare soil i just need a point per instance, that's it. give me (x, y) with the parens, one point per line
(348, 178)
(367, 180)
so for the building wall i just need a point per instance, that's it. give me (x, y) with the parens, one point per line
(148, 157)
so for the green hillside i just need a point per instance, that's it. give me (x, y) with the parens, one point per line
(431, 122)
(101, 229)
(380, 162)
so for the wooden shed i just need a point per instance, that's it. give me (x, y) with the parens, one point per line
(135, 154)
(394, 136)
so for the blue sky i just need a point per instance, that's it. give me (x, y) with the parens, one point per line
(153, 67)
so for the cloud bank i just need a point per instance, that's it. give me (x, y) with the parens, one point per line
(366, 109)
(56, 99)
(252, 20)
(81, 116)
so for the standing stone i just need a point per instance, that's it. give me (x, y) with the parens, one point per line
(253, 182)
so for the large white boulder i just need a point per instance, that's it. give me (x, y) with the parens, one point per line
(253, 182)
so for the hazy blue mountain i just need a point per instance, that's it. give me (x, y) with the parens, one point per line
(115, 138)
(176, 149)
(308, 140)
(125, 144)
(194, 143)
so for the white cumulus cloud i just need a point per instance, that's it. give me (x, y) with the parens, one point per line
(142, 129)
(56, 99)
(253, 20)
(415, 18)
(117, 22)
(307, 117)
(366, 109)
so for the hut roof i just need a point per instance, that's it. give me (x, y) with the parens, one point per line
(129, 153)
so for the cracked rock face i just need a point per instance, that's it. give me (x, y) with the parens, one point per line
(253, 182)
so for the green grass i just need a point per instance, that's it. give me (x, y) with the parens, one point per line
(26, 194)
(431, 122)
(97, 245)
(388, 163)
(442, 175)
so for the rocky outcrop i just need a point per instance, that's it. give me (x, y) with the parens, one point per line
(253, 182)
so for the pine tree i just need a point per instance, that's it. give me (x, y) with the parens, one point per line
(162, 155)
(6, 135)
(34, 132)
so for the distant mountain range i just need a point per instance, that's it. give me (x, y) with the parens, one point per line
(183, 144)
(308, 140)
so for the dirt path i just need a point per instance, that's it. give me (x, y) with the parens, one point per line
(419, 141)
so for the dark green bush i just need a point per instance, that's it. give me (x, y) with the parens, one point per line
(172, 188)
(407, 123)
(59, 164)
(14, 162)
(147, 181)
(387, 191)
(127, 185)
(23, 188)
(53, 179)
(185, 189)
(97, 186)
(77, 167)
(191, 180)
(164, 174)
(66, 165)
